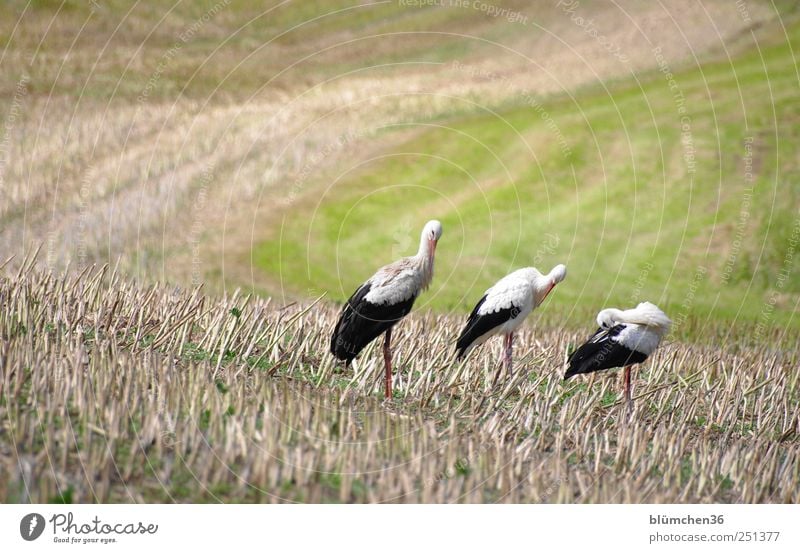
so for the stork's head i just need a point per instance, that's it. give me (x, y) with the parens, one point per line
(609, 317)
(430, 237)
(546, 283)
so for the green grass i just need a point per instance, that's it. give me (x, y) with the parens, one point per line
(622, 207)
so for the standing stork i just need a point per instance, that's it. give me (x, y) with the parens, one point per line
(625, 338)
(383, 300)
(505, 305)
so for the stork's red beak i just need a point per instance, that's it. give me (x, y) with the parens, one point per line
(550, 289)
(431, 248)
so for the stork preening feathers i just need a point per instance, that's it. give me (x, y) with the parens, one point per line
(504, 306)
(625, 338)
(385, 298)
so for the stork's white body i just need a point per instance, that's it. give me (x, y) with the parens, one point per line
(504, 307)
(514, 291)
(399, 281)
(643, 339)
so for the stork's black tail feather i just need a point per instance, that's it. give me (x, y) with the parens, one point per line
(572, 370)
(601, 352)
(478, 325)
(465, 340)
(361, 322)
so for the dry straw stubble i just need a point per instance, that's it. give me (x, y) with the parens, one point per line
(116, 392)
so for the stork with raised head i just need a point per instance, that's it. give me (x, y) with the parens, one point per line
(504, 306)
(625, 338)
(385, 298)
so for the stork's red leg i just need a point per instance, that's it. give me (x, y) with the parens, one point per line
(387, 361)
(509, 342)
(628, 399)
(503, 355)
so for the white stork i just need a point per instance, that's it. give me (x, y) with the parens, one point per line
(624, 338)
(505, 305)
(383, 300)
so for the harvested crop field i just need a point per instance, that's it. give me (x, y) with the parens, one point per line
(116, 392)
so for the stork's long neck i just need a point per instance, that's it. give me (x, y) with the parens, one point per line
(616, 315)
(655, 320)
(424, 261)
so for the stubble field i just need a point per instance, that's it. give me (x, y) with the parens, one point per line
(116, 392)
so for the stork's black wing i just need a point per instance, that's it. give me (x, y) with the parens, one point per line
(478, 325)
(601, 352)
(361, 322)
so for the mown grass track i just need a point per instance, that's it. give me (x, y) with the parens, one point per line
(677, 185)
